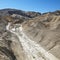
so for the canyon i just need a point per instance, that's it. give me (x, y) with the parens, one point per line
(29, 35)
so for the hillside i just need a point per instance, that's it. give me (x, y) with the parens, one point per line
(24, 34)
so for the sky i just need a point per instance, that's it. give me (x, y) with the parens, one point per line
(31, 5)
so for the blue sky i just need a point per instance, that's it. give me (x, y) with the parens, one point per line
(31, 5)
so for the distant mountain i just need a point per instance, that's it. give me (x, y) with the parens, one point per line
(19, 12)
(57, 12)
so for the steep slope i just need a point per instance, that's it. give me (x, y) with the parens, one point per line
(45, 30)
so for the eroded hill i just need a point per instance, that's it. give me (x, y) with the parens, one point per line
(44, 29)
